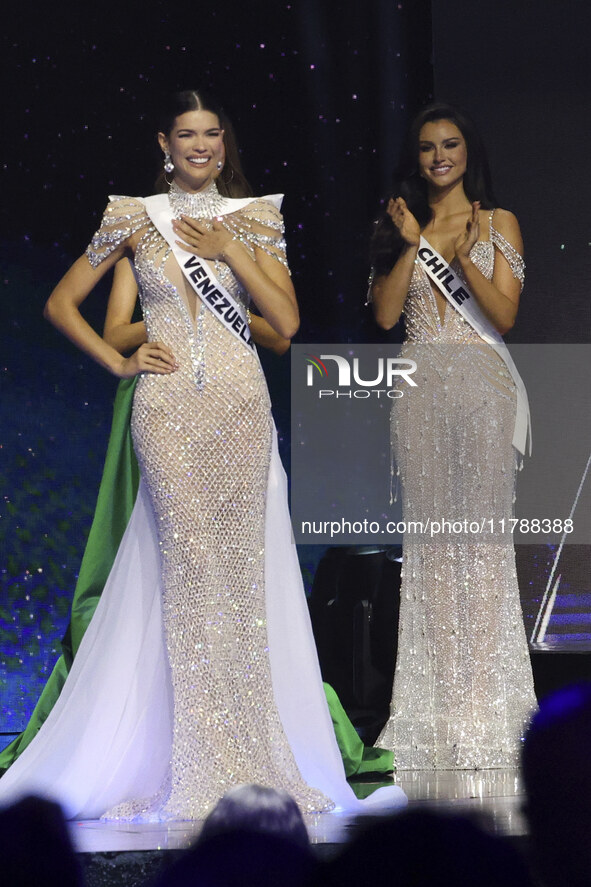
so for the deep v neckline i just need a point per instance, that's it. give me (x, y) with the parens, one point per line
(453, 264)
(176, 279)
(442, 317)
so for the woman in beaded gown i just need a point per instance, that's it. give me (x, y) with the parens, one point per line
(198, 670)
(463, 688)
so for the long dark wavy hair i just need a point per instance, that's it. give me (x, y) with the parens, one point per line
(231, 182)
(386, 242)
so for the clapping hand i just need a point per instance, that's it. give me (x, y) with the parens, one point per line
(466, 240)
(404, 220)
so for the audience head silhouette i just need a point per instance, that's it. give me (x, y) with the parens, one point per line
(557, 777)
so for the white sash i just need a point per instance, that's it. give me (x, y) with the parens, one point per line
(197, 272)
(460, 297)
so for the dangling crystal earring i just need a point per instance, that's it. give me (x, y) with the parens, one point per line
(168, 164)
(219, 164)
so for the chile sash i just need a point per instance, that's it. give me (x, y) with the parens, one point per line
(459, 295)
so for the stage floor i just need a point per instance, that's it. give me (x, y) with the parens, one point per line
(496, 795)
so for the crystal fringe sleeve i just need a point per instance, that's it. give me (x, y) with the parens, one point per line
(259, 226)
(514, 259)
(122, 218)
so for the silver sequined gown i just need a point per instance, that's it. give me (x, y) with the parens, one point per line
(463, 687)
(202, 436)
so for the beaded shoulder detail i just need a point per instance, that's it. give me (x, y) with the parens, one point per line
(259, 225)
(423, 320)
(515, 260)
(122, 218)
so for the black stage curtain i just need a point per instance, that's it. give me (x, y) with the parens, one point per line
(519, 69)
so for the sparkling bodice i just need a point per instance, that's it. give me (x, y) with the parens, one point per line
(172, 312)
(463, 688)
(423, 321)
(202, 435)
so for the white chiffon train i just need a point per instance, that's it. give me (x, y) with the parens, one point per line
(108, 737)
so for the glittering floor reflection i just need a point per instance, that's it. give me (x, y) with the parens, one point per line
(496, 795)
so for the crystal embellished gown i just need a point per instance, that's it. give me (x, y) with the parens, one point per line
(198, 671)
(463, 687)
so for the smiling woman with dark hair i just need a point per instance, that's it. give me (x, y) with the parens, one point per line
(443, 255)
(412, 187)
(198, 670)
